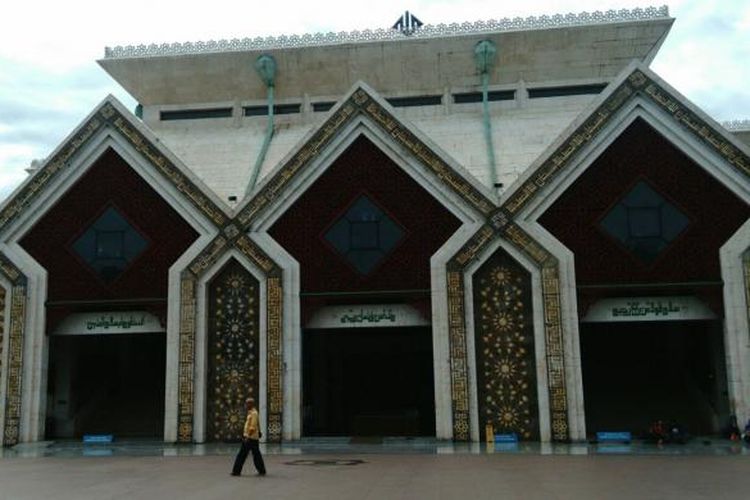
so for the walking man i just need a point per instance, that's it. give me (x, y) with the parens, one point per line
(250, 438)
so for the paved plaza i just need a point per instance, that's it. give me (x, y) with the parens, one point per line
(382, 471)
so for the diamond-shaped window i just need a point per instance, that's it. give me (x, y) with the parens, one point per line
(110, 244)
(644, 222)
(364, 235)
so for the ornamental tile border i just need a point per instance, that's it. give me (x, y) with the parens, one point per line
(385, 35)
(553, 333)
(637, 83)
(16, 330)
(702, 130)
(3, 295)
(186, 359)
(505, 354)
(178, 179)
(108, 116)
(457, 335)
(57, 165)
(274, 336)
(274, 333)
(362, 103)
(51, 170)
(232, 340)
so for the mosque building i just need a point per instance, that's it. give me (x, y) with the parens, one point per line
(417, 231)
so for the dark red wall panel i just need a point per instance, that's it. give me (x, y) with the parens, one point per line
(641, 153)
(364, 169)
(109, 182)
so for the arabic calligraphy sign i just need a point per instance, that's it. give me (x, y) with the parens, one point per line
(622, 309)
(367, 316)
(119, 322)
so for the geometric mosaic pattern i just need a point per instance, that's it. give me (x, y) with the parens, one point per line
(13, 331)
(231, 238)
(504, 345)
(2, 329)
(233, 351)
(499, 224)
(499, 219)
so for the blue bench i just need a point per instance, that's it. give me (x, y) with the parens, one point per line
(614, 437)
(98, 438)
(506, 438)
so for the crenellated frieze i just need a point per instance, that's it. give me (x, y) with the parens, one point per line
(426, 31)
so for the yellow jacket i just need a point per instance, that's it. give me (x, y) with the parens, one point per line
(251, 425)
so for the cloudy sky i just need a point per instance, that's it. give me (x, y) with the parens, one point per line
(49, 79)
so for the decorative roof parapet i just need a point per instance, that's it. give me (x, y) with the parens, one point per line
(737, 125)
(425, 31)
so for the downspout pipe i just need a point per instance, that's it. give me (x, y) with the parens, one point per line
(484, 56)
(265, 65)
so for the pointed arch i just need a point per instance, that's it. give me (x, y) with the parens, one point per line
(108, 127)
(637, 93)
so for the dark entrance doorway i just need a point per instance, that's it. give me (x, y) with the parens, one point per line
(638, 372)
(368, 382)
(106, 384)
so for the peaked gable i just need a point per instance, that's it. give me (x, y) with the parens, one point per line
(110, 116)
(637, 82)
(364, 102)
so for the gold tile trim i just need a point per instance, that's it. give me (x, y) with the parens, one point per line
(3, 294)
(558, 398)
(475, 245)
(553, 331)
(312, 148)
(362, 103)
(457, 349)
(186, 362)
(255, 254)
(209, 255)
(521, 240)
(552, 325)
(274, 328)
(15, 326)
(427, 156)
(457, 353)
(637, 83)
(274, 358)
(505, 356)
(109, 116)
(14, 374)
(582, 136)
(178, 179)
(233, 350)
(51, 170)
(274, 335)
(698, 127)
(9, 270)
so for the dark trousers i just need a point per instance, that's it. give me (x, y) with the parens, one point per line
(249, 445)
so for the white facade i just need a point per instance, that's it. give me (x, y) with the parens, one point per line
(562, 131)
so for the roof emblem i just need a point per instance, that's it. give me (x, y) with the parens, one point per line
(407, 24)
